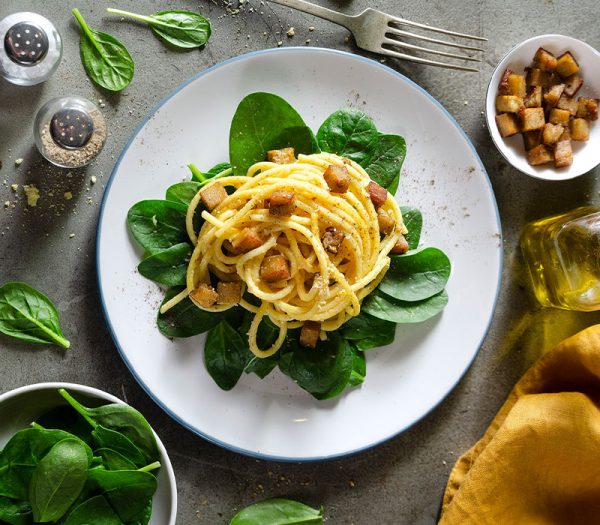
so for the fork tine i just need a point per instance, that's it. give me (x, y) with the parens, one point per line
(405, 45)
(400, 32)
(419, 60)
(403, 21)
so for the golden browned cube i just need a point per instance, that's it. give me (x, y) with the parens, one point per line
(552, 133)
(532, 118)
(559, 116)
(580, 129)
(572, 84)
(566, 134)
(545, 60)
(587, 108)
(531, 139)
(517, 85)
(508, 124)
(539, 155)
(568, 103)
(534, 98)
(213, 195)
(204, 295)
(508, 104)
(281, 156)
(553, 95)
(566, 65)
(503, 85)
(563, 154)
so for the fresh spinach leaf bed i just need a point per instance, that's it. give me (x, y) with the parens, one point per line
(408, 286)
(77, 465)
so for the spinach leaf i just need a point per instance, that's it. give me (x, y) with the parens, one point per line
(223, 169)
(65, 418)
(112, 460)
(226, 355)
(106, 438)
(324, 371)
(266, 335)
(58, 479)
(168, 267)
(105, 59)
(94, 511)
(264, 121)
(366, 331)
(127, 491)
(385, 161)
(359, 367)
(385, 307)
(157, 225)
(416, 275)
(123, 419)
(185, 319)
(183, 192)
(27, 314)
(413, 220)
(15, 512)
(349, 133)
(181, 29)
(278, 511)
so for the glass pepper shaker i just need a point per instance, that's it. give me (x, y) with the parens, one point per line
(30, 48)
(69, 131)
(562, 254)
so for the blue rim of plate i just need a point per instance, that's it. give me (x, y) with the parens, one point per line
(147, 389)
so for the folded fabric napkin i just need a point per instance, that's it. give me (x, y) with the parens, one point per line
(539, 461)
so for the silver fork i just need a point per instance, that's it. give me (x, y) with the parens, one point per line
(374, 31)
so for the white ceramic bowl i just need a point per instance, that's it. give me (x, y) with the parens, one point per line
(586, 155)
(19, 407)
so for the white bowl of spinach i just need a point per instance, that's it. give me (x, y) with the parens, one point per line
(73, 454)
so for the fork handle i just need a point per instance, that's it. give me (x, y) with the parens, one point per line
(317, 10)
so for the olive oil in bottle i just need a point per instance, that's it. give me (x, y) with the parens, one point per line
(562, 254)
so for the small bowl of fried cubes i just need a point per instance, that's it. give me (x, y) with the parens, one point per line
(542, 105)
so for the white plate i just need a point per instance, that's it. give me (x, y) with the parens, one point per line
(442, 175)
(586, 155)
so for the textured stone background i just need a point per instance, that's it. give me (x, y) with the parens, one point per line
(401, 481)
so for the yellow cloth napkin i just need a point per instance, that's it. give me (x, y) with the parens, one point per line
(539, 461)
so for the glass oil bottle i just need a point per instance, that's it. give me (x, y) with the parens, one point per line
(562, 254)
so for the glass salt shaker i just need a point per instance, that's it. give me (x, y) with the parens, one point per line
(30, 50)
(69, 131)
(562, 254)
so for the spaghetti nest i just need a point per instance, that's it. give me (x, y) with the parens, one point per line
(310, 262)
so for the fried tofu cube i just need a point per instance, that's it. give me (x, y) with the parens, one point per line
(213, 195)
(587, 108)
(229, 292)
(536, 77)
(566, 65)
(532, 118)
(386, 223)
(580, 129)
(281, 203)
(534, 97)
(503, 85)
(566, 134)
(544, 60)
(508, 104)
(559, 116)
(204, 295)
(332, 239)
(567, 103)
(401, 246)
(281, 156)
(531, 139)
(248, 239)
(553, 95)
(517, 85)
(377, 194)
(563, 154)
(552, 133)
(508, 124)
(572, 85)
(309, 334)
(337, 178)
(274, 268)
(539, 155)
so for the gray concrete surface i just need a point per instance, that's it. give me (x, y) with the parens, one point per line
(399, 482)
